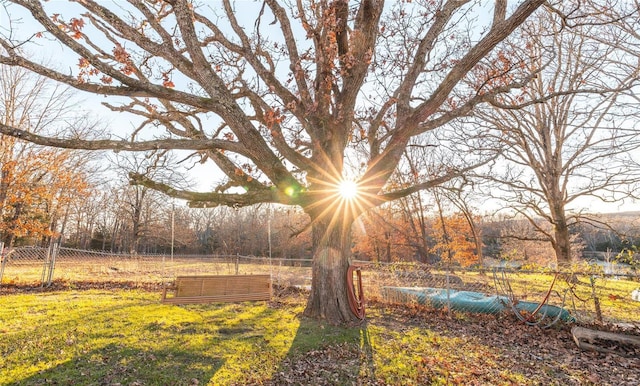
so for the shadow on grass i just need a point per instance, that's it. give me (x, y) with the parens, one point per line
(322, 354)
(117, 364)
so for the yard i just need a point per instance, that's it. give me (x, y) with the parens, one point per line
(119, 334)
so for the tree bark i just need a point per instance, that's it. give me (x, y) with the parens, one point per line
(332, 247)
(563, 247)
(4, 190)
(562, 239)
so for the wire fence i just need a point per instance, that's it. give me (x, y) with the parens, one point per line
(38, 266)
(541, 297)
(537, 296)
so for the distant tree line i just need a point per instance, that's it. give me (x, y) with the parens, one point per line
(101, 210)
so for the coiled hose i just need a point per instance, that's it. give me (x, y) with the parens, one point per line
(356, 300)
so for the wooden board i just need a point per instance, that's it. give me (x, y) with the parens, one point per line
(608, 342)
(219, 288)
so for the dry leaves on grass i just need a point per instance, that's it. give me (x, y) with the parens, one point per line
(61, 285)
(332, 365)
(538, 356)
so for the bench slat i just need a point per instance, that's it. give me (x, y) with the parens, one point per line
(219, 288)
(214, 299)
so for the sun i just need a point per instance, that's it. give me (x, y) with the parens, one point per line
(348, 189)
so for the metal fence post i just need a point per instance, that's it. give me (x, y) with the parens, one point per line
(45, 267)
(52, 263)
(3, 261)
(448, 285)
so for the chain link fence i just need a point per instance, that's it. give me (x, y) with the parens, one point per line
(38, 266)
(537, 296)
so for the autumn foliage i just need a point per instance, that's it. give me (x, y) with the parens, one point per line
(387, 235)
(383, 235)
(36, 186)
(455, 240)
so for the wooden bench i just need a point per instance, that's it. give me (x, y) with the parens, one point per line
(218, 288)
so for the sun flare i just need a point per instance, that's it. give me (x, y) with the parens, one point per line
(347, 189)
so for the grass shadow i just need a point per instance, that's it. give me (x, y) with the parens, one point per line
(117, 364)
(326, 354)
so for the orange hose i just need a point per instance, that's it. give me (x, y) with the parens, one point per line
(356, 301)
(546, 298)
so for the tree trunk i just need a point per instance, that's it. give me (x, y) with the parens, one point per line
(562, 244)
(332, 247)
(5, 181)
(607, 342)
(135, 233)
(563, 247)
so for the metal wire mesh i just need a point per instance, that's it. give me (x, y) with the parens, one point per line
(26, 264)
(587, 296)
(539, 297)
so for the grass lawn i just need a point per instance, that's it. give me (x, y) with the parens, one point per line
(124, 336)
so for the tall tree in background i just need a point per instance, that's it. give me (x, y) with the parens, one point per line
(290, 233)
(92, 217)
(139, 202)
(571, 132)
(459, 195)
(279, 95)
(425, 158)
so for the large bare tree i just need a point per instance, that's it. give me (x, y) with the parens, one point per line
(570, 134)
(277, 95)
